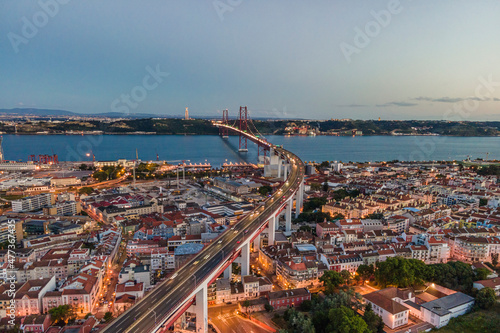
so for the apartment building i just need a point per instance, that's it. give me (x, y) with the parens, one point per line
(33, 203)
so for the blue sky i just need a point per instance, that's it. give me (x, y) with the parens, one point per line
(424, 60)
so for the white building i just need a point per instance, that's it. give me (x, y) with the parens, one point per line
(388, 304)
(336, 166)
(440, 311)
(251, 286)
(140, 273)
(32, 203)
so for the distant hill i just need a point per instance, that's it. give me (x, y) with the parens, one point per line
(37, 112)
(59, 113)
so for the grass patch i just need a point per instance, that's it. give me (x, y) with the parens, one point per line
(480, 321)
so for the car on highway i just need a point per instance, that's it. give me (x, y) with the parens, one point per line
(238, 242)
(246, 231)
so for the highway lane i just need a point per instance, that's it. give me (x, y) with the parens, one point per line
(167, 296)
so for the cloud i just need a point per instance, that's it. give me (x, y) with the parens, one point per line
(396, 104)
(453, 100)
(353, 106)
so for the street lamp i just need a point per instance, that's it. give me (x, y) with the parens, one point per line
(155, 315)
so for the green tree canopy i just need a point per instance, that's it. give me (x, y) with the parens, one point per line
(315, 187)
(314, 203)
(61, 313)
(108, 316)
(400, 272)
(265, 190)
(373, 321)
(365, 272)
(345, 320)
(486, 298)
(331, 280)
(86, 190)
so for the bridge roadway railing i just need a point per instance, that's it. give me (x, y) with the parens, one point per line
(168, 319)
(216, 271)
(288, 193)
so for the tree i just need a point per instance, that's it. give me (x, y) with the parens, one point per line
(486, 298)
(365, 272)
(108, 316)
(236, 269)
(331, 281)
(246, 304)
(454, 275)
(268, 307)
(324, 164)
(298, 322)
(265, 190)
(305, 228)
(494, 259)
(306, 306)
(314, 203)
(325, 186)
(401, 272)
(375, 216)
(346, 276)
(61, 313)
(100, 176)
(345, 320)
(481, 274)
(86, 190)
(315, 187)
(313, 217)
(373, 321)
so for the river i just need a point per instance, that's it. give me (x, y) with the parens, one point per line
(211, 148)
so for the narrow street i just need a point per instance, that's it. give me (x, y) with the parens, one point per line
(225, 319)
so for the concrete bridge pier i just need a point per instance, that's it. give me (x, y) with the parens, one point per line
(201, 310)
(288, 214)
(285, 171)
(245, 259)
(299, 199)
(256, 243)
(279, 167)
(228, 271)
(272, 230)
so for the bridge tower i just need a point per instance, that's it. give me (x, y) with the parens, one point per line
(243, 126)
(224, 132)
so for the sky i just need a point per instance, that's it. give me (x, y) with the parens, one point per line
(391, 59)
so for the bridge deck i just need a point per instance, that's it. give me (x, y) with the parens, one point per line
(166, 299)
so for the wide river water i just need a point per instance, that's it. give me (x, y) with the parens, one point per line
(212, 148)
